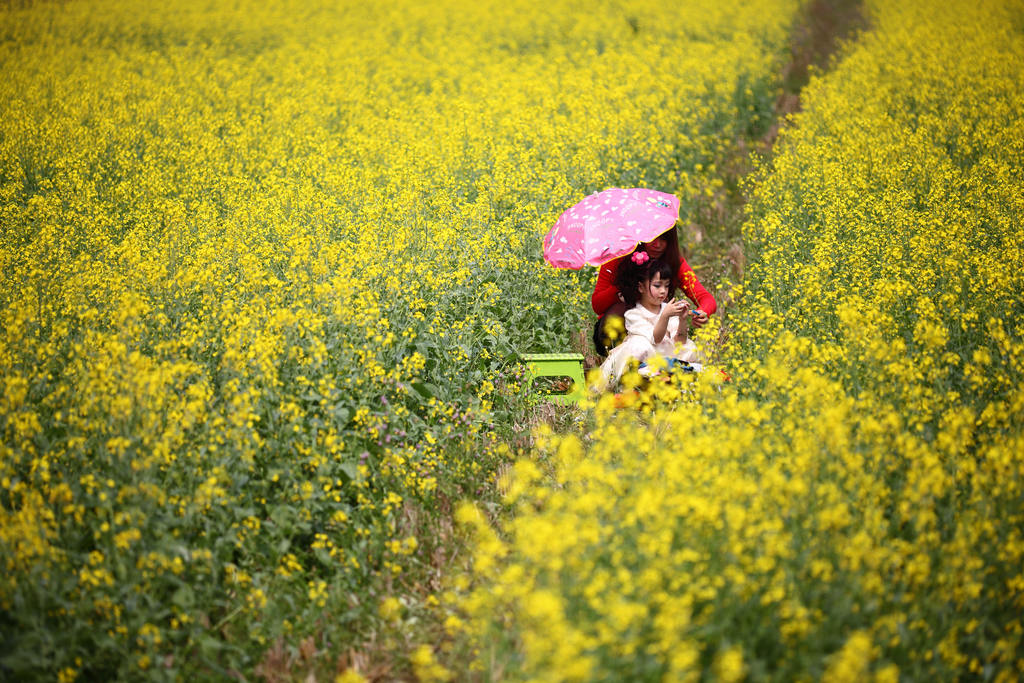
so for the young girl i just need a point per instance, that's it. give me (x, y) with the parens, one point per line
(654, 325)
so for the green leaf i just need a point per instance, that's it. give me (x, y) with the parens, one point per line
(342, 414)
(282, 516)
(426, 389)
(350, 469)
(184, 597)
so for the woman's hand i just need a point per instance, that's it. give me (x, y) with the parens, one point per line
(699, 318)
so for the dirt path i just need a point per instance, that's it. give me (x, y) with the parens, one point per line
(715, 238)
(827, 24)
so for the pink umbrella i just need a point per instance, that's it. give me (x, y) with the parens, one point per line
(607, 225)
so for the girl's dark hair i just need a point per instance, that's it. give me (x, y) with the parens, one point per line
(631, 274)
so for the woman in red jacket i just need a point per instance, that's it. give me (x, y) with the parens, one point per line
(607, 301)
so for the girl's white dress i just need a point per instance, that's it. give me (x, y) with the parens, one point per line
(639, 343)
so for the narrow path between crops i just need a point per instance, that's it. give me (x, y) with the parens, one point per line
(716, 235)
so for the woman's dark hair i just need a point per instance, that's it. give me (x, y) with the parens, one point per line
(631, 274)
(672, 255)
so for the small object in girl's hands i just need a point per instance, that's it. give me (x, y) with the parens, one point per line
(668, 365)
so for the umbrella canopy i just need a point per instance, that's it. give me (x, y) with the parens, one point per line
(608, 224)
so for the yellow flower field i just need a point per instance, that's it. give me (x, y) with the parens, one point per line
(850, 507)
(264, 272)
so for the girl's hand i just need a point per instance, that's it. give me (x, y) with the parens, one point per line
(675, 308)
(700, 318)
